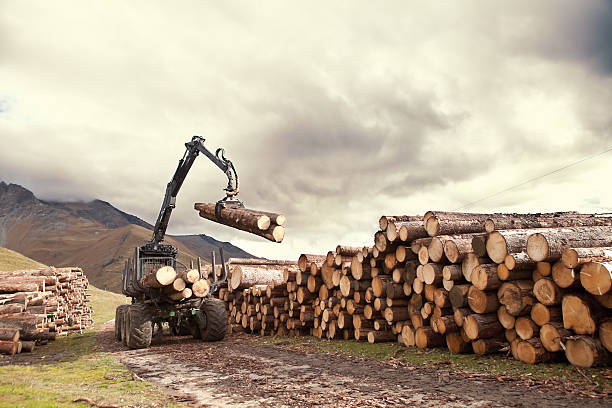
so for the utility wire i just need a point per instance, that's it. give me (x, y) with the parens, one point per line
(535, 178)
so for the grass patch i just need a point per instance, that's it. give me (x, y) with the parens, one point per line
(72, 367)
(14, 261)
(499, 365)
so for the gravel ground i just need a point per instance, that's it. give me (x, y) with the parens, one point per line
(239, 373)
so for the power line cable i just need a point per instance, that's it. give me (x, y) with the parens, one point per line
(534, 179)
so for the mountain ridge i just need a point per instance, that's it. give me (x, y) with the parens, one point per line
(94, 235)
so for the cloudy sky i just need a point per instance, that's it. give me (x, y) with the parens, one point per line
(333, 113)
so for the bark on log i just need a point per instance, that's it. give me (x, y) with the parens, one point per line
(552, 335)
(596, 277)
(16, 286)
(516, 296)
(159, 278)
(584, 351)
(8, 347)
(9, 334)
(484, 277)
(244, 220)
(470, 261)
(548, 220)
(481, 301)
(532, 352)
(488, 346)
(548, 244)
(479, 244)
(458, 295)
(502, 243)
(505, 274)
(381, 337)
(441, 223)
(460, 314)
(459, 246)
(482, 326)
(305, 260)
(519, 260)
(605, 333)
(425, 337)
(244, 276)
(456, 344)
(574, 257)
(505, 318)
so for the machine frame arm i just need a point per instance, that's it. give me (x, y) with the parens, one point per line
(194, 147)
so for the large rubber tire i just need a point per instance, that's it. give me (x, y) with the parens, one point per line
(125, 327)
(216, 320)
(119, 316)
(140, 326)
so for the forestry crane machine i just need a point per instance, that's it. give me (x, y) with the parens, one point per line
(202, 317)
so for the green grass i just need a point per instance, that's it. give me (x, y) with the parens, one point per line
(73, 367)
(13, 261)
(593, 378)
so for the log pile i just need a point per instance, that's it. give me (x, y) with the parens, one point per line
(537, 286)
(37, 305)
(172, 286)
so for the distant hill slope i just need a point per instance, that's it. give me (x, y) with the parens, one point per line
(95, 236)
(14, 261)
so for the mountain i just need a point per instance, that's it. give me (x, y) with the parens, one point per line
(94, 235)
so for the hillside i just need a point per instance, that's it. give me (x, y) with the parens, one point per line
(14, 261)
(95, 236)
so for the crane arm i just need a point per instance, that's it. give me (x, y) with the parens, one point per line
(194, 147)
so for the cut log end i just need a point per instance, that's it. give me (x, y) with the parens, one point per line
(537, 247)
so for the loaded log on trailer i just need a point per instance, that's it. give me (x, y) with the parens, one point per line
(468, 282)
(165, 290)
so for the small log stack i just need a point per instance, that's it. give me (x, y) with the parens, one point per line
(535, 285)
(37, 305)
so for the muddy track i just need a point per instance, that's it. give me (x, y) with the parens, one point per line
(237, 372)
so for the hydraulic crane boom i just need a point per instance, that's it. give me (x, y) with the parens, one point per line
(194, 147)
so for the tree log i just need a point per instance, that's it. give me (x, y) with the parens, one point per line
(408, 335)
(459, 246)
(516, 296)
(505, 318)
(580, 314)
(200, 288)
(547, 220)
(552, 335)
(505, 274)
(481, 301)
(484, 277)
(502, 243)
(306, 260)
(244, 276)
(542, 314)
(596, 277)
(605, 333)
(482, 326)
(441, 223)
(9, 334)
(584, 351)
(8, 347)
(518, 260)
(548, 244)
(533, 352)
(458, 295)
(526, 328)
(381, 337)
(456, 344)
(471, 261)
(425, 337)
(488, 346)
(574, 257)
(432, 274)
(159, 278)
(547, 292)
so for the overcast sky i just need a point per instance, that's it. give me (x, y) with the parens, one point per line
(333, 113)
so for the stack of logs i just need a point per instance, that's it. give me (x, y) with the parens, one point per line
(38, 305)
(533, 285)
(178, 287)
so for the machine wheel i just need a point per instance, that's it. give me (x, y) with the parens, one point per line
(139, 326)
(119, 316)
(125, 328)
(194, 329)
(216, 320)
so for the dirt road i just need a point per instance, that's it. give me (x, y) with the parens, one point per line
(238, 373)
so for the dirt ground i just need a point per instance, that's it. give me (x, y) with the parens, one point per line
(239, 373)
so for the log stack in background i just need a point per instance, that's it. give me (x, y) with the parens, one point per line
(37, 305)
(533, 285)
